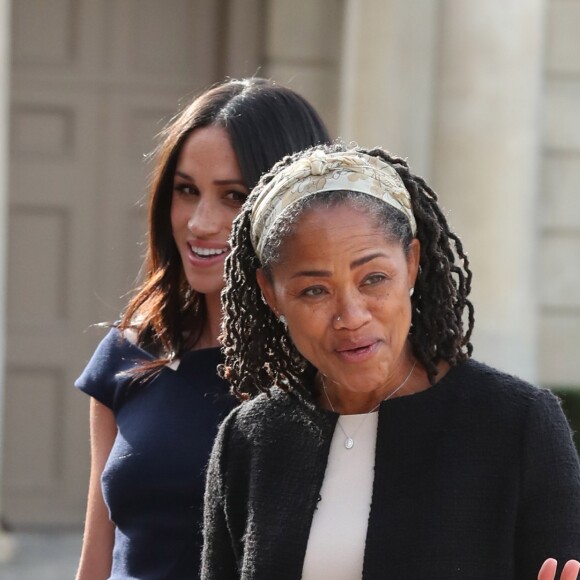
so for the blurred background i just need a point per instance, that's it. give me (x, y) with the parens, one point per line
(483, 98)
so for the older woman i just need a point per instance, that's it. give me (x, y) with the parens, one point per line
(378, 448)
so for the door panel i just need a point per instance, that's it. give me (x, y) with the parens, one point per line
(93, 81)
(49, 289)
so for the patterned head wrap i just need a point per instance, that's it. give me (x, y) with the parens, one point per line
(349, 170)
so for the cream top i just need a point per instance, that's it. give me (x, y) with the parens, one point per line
(337, 538)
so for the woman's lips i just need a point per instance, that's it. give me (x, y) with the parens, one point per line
(358, 352)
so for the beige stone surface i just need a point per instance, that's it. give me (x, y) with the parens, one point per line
(485, 158)
(48, 555)
(560, 272)
(559, 348)
(559, 203)
(317, 83)
(563, 36)
(562, 114)
(303, 48)
(304, 30)
(389, 76)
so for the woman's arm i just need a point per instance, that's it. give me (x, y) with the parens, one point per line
(549, 503)
(97, 550)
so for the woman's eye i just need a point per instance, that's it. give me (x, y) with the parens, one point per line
(374, 279)
(237, 196)
(313, 291)
(185, 189)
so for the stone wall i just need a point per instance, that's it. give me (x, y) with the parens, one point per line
(303, 50)
(558, 263)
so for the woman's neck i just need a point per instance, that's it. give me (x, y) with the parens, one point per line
(209, 335)
(410, 380)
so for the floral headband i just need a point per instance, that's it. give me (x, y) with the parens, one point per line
(349, 170)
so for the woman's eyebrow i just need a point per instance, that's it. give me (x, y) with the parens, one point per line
(312, 273)
(184, 175)
(229, 182)
(327, 273)
(365, 259)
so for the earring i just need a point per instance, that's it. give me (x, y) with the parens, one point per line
(411, 291)
(283, 320)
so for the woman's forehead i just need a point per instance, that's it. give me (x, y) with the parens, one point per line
(331, 216)
(322, 232)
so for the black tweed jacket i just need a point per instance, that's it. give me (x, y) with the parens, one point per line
(475, 478)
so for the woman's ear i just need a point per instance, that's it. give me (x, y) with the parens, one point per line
(267, 288)
(413, 259)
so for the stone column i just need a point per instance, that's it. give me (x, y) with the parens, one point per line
(388, 76)
(6, 541)
(455, 86)
(302, 50)
(485, 154)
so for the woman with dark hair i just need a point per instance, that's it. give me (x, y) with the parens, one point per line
(371, 445)
(156, 398)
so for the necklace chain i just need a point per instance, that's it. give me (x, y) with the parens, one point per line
(349, 439)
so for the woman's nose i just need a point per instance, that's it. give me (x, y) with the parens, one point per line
(204, 219)
(352, 312)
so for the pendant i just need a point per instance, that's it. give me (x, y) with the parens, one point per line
(349, 442)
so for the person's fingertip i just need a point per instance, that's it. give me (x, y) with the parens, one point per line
(571, 569)
(548, 569)
(550, 562)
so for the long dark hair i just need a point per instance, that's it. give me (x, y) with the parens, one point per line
(259, 352)
(265, 122)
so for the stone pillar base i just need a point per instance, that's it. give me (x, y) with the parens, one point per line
(8, 544)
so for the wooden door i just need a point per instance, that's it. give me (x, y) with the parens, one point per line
(93, 81)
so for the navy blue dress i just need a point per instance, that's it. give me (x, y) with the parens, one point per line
(153, 481)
